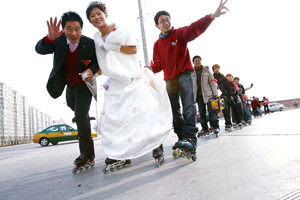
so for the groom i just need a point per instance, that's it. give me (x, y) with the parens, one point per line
(74, 55)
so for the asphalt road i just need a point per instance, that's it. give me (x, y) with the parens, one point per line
(262, 161)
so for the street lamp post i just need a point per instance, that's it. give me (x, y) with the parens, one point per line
(143, 33)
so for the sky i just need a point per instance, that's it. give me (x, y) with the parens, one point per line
(258, 41)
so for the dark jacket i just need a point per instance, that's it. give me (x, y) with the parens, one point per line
(242, 88)
(224, 85)
(58, 79)
(242, 91)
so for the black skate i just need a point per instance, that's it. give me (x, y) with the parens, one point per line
(244, 123)
(235, 125)
(228, 128)
(210, 130)
(240, 126)
(113, 165)
(216, 131)
(83, 163)
(202, 133)
(185, 149)
(158, 155)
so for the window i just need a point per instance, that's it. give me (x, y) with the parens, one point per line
(64, 128)
(52, 129)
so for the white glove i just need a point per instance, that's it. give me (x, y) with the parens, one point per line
(110, 47)
(85, 75)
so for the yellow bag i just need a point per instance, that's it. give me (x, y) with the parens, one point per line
(217, 104)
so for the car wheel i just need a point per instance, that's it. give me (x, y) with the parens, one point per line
(44, 142)
(54, 143)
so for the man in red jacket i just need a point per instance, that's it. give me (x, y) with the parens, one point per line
(171, 55)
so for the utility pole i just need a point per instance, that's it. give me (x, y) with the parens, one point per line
(143, 34)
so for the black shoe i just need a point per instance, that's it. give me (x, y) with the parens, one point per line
(202, 133)
(187, 144)
(110, 161)
(228, 128)
(216, 130)
(82, 159)
(156, 153)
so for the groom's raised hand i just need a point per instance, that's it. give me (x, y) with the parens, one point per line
(54, 29)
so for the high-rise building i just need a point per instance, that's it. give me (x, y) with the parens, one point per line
(19, 121)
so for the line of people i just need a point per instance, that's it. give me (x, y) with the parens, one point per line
(236, 112)
(236, 109)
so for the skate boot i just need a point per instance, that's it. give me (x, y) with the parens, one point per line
(234, 125)
(201, 133)
(228, 128)
(244, 123)
(113, 165)
(216, 131)
(210, 130)
(240, 126)
(249, 122)
(186, 149)
(158, 155)
(83, 163)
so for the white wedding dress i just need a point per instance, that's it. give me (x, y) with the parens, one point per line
(136, 116)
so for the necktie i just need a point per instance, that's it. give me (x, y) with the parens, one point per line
(72, 47)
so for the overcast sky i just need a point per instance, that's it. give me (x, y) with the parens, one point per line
(257, 40)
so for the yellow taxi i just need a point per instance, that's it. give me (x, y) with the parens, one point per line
(57, 133)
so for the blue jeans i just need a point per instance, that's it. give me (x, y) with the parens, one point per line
(184, 122)
(247, 113)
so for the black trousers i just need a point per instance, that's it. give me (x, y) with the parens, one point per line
(79, 100)
(266, 109)
(213, 116)
(226, 112)
(236, 111)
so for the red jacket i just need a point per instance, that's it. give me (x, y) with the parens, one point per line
(171, 54)
(255, 103)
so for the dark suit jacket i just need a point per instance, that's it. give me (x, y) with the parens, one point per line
(58, 79)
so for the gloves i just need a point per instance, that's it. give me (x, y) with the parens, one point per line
(110, 47)
(85, 75)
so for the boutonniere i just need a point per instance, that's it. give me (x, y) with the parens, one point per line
(86, 62)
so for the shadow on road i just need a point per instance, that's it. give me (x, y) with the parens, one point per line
(124, 186)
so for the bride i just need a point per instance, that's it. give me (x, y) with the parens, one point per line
(136, 116)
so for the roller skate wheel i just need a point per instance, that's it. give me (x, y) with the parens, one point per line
(74, 170)
(159, 162)
(174, 154)
(92, 163)
(177, 152)
(81, 169)
(104, 170)
(112, 169)
(194, 157)
(128, 162)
